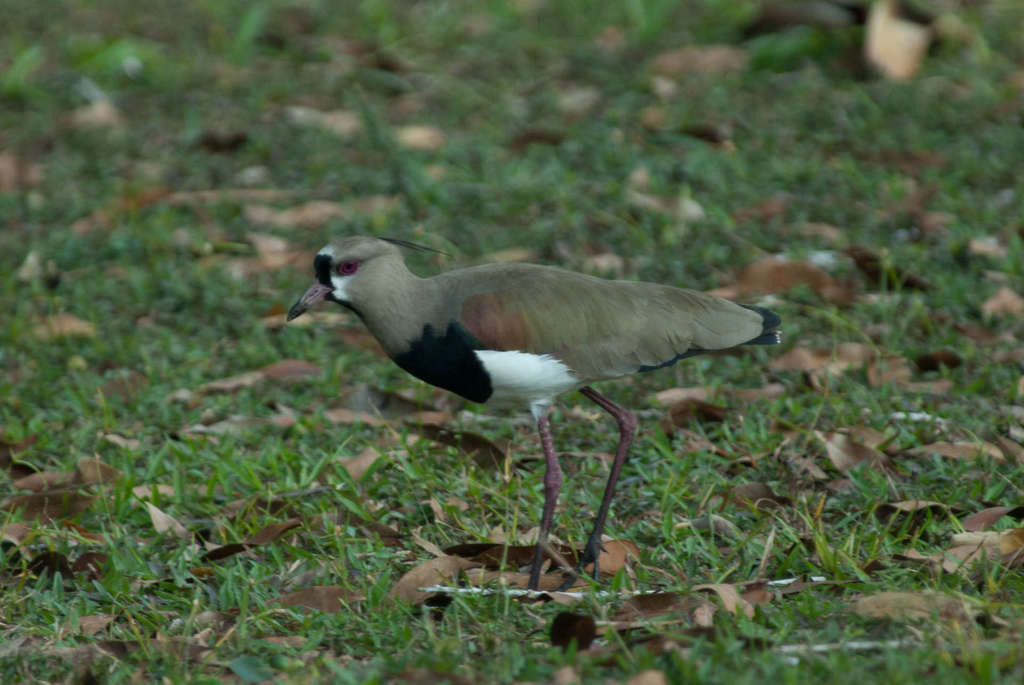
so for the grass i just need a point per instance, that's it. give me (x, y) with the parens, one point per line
(845, 148)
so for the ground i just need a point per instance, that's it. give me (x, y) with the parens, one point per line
(194, 491)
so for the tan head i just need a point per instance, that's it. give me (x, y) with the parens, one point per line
(346, 266)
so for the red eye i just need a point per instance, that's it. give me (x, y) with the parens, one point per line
(347, 268)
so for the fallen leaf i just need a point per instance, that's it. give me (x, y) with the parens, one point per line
(888, 370)
(757, 496)
(97, 114)
(828, 232)
(1004, 301)
(329, 599)
(702, 59)
(44, 480)
(91, 470)
(775, 275)
(915, 606)
(1013, 452)
(568, 627)
(933, 361)
(360, 464)
(341, 122)
(420, 137)
(649, 677)
(309, 215)
(878, 273)
(485, 452)
(90, 624)
(17, 173)
(986, 246)
(959, 450)
(986, 518)
(121, 441)
(766, 210)
(146, 491)
(916, 512)
(894, 45)
(433, 572)
(830, 361)
(613, 556)
(575, 101)
(731, 600)
(163, 522)
(126, 385)
(687, 411)
(845, 453)
(283, 370)
(63, 325)
(49, 505)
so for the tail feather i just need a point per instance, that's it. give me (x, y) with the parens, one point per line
(769, 335)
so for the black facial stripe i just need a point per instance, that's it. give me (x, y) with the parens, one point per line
(322, 267)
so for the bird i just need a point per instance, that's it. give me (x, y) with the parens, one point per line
(519, 335)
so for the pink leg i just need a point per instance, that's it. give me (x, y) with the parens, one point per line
(552, 484)
(627, 428)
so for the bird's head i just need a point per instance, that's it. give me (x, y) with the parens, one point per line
(350, 266)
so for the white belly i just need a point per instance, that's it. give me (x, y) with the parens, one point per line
(525, 379)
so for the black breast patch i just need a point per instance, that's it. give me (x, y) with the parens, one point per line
(448, 362)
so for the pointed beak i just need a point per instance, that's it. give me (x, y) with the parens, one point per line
(316, 293)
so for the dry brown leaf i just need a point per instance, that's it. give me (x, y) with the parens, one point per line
(766, 210)
(757, 496)
(828, 232)
(17, 173)
(1004, 301)
(613, 556)
(15, 532)
(120, 441)
(845, 453)
(986, 518)
(878, 273)
(568, 627)
(649, 677)
(1013, 452)
(360, 464)
(126, 384)
(892, 44)
(421, 137)
(915, 606)
(63, 325)
(341, 122)
(959, 450)
(44, 480)
(687, 411)
(49, 505)
(548, 582)
(433, 572)
(986, 246)
(765, 392)
(326, 598)
(831, 361)
(731, 600)
(674, 395)
(268, 534)
(933, 361)
(575, 101)
(163, 522)
(702, 59)
(309, 215)
(91, 470)
(775, 275)
(885, 370)
(146, 491)
(98, 113)
(89, 625)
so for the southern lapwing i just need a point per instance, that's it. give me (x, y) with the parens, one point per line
(522, 334)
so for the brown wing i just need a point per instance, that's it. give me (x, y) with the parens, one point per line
(600, 328)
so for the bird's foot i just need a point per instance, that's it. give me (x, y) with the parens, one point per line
(591, 553)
